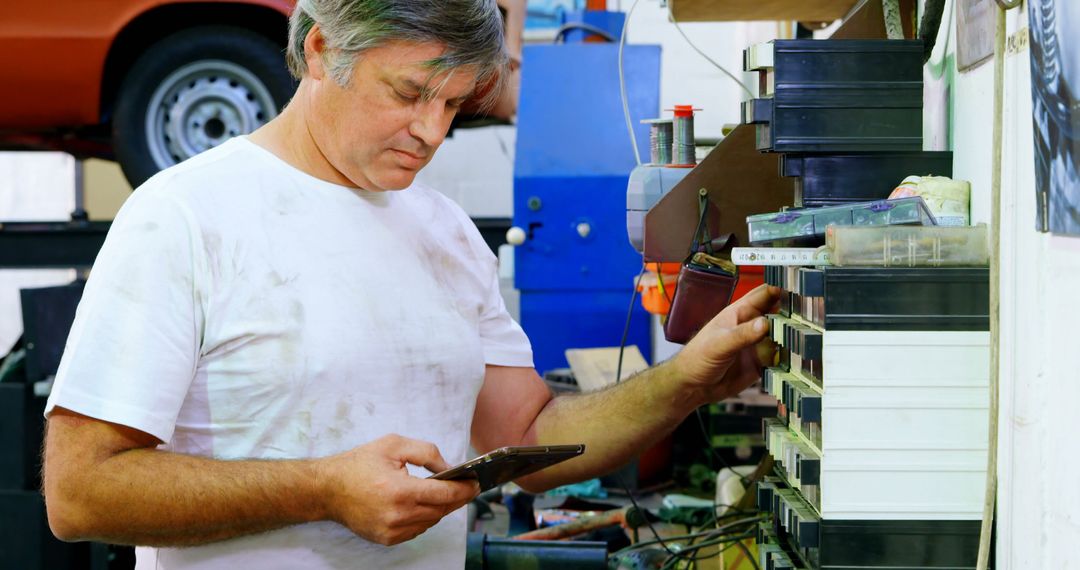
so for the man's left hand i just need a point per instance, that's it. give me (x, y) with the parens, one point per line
(729, 352)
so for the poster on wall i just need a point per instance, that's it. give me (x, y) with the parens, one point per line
(1055, 93)
(974, 32)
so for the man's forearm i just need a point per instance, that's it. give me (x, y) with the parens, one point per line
(615, 424)
(155, 498)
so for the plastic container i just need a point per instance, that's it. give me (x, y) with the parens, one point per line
(808, 226)
(932, 246)
(657, 287)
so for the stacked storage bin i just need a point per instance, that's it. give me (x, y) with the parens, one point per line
(880, 438)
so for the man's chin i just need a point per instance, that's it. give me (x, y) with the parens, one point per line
(398, 180)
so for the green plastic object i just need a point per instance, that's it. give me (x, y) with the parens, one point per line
(13, 367)
(591, 489)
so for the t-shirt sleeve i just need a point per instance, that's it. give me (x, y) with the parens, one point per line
(132, 351)
(505, 343)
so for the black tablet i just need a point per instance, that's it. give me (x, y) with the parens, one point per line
(508, 463)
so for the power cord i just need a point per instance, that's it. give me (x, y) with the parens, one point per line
(680, 554)
(694, 535)
(749, 556)
(626, 327)
(723, 69)
(712, 450)
(648, 522)
(622, 74)
(622, 90)
(735, 540)
(570, 26)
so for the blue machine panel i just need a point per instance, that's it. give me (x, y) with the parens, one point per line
(573, 161)
(558, 320)
(570, 117)
(555, 256)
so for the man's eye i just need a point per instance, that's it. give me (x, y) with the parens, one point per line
(405, 97)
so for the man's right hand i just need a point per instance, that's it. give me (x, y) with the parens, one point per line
(369, 490)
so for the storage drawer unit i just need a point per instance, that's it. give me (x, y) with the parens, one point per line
(828, 180)
(881, 435)
(837, 96)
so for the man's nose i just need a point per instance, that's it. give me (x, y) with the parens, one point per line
(431, 122)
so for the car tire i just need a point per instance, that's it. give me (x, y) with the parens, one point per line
(192, 91)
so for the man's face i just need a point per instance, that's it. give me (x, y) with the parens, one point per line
(382, 128)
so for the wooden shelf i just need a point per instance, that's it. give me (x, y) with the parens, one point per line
(771, 10)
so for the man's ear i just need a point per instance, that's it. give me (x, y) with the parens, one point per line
(314, 52)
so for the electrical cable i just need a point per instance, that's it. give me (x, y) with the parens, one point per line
(690, 536)
(633, 501)
(660, 284)
(712, 450)
(571, 26)
(626, 327)
(724, 70)
(622, 92)
(659, 539)
(749, 556)
(622, 74)
(711, 534)
(690, 553)
(732, 538)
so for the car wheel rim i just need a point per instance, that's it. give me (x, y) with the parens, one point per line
(202, 105)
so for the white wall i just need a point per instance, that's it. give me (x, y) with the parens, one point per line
(1038, 494)
(475, 168)
(33, 187)
(688, 79)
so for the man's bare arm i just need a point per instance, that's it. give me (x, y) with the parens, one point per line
(107, 482)
(615, 424)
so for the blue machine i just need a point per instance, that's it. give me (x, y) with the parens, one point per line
(610, 22)
(576, 268)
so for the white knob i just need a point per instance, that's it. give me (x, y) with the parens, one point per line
(515, 236)
(584, 229)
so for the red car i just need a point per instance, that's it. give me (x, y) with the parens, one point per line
(150, 82)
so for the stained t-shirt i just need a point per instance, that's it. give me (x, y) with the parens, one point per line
(241, 308)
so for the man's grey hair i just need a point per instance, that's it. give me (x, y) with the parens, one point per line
(471, 31)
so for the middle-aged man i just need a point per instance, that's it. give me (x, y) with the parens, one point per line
(276, 345)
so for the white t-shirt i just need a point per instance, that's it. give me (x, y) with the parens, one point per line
(241, 308)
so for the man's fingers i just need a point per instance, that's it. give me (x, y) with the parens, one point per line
(731, 341)
(760, 301)
(766, 352)
(420, 453)
(422, 514)
(445, 493)
(744, 313)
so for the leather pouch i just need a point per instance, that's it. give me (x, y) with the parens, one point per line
(706, 282)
